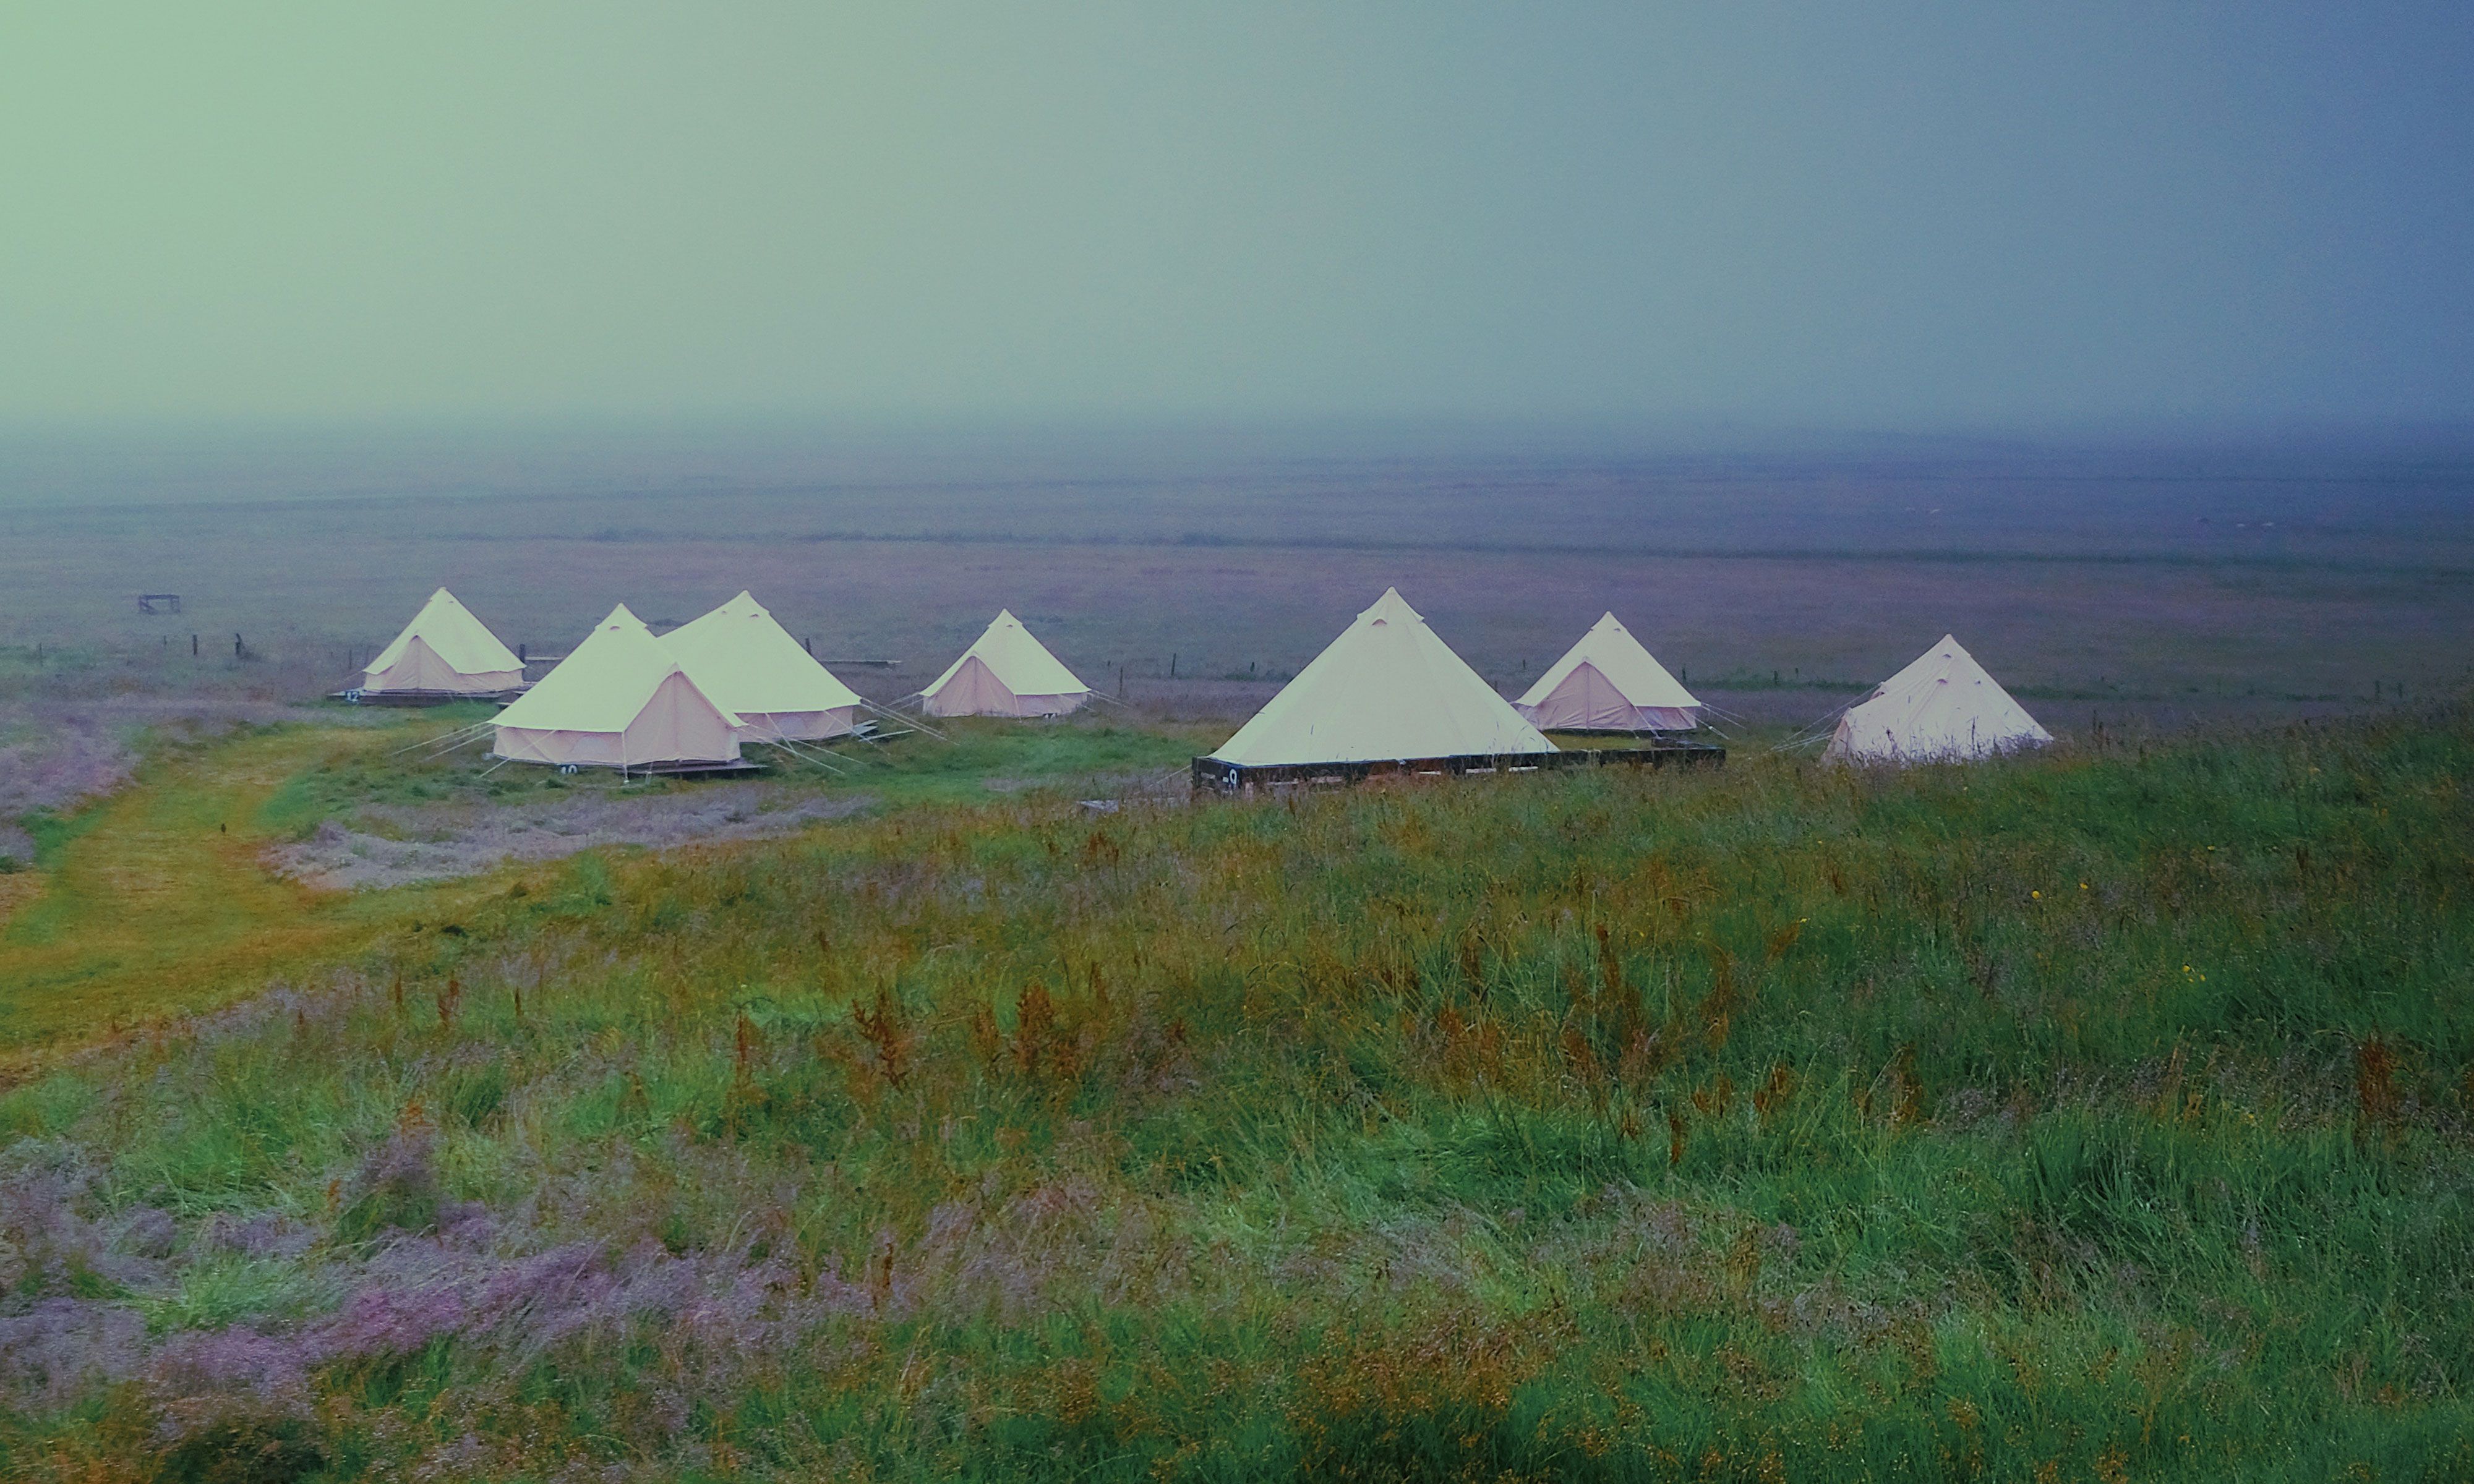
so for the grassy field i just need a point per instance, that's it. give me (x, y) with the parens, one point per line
(2102, 1115)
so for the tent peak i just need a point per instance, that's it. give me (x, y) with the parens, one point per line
(744, 606)
(1389, 607)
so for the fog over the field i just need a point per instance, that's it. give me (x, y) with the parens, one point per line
(1887, 215)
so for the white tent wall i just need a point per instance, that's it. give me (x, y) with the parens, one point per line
(680, 724)
(799, 726)
(973, 690)
(1587, 700)
(676, 724)
(419, 667)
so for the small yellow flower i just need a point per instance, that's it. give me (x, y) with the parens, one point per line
(2082, 886)
(2038, 896)
(2185, 968)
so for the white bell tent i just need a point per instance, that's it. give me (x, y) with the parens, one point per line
(1609, 682)
(444, 652)
(621, 699)
(749, 664)
(1388, 690)
(1941, 709)
(1005, 672)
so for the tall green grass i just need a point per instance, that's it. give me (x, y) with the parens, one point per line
(2098, 1115)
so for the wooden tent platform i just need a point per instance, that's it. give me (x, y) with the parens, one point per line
(1211, 776)
(423, 697)
(694, 770)
(647, 770)
(1654, 733)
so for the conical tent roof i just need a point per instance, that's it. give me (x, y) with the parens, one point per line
(1944, 706)
(445, 648)
(748, 663)
(1604, 676)
(603, 683)
(1016, 660)
(1386, 689)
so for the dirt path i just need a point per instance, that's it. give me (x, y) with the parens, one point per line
(159, 904)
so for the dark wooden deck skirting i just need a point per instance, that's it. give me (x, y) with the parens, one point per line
(739, 768)
(423, 697)
(1676, 733)
(694, 770)
(1211, 776)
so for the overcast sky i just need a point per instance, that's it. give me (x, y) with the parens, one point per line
(1876, 215)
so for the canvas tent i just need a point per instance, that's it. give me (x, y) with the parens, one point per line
(1941, 709)
(749, 664)
(1388, 690)
(1005, 673)
(621, 699)
(444, 652)
(1608, 682)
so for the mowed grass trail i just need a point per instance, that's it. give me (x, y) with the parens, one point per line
(155, 902)
(158, 900)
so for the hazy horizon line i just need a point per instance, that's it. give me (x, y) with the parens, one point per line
(1512, 433)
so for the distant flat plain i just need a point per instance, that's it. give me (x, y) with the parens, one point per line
(2159, 582)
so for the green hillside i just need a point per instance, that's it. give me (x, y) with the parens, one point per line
(2103, 1115)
